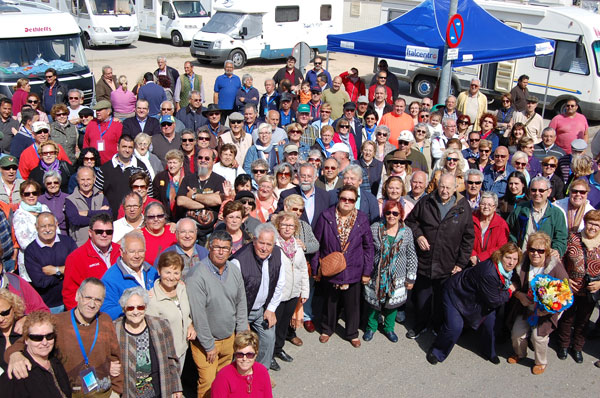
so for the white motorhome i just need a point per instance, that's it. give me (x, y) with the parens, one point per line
(35, 37)
(575, 65)
(241, 30)
(102, 22)
(176, 20)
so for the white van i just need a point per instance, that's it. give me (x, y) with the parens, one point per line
(176, 20)
(35, 37)
(102, 22)
(241, 30)
(575, 67)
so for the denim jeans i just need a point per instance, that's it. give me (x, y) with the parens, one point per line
(266, 336)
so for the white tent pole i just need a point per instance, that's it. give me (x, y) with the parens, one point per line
(547, 82)
(327, 61)
(446, 78)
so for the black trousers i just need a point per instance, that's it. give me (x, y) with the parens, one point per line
(284, 313)
(428, 299)
(350, 299)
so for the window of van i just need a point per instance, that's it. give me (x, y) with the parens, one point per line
(325, 12)
(148, 4)
(596, 51)
(565, 59)
(393, 14)
(287, 14)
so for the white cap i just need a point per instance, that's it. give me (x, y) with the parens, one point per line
(37, 126)
(339, 147)
(406, 135)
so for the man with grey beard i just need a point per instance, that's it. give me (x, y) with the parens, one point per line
(199, 196)
(316, 200)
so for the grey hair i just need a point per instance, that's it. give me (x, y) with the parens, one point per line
(489, 195)
(135, 234)
(220, 234)
(265, 126)
(271, 80)
(315, 152)
(80, 169)
(354, 169)
(76, 90)
(337, 162)
(91, 280)
(132, 195)
(161, 58)
(473, 172)
(189, 131)
(307, 165)
(260, 162)
(265, 228)
(540, 178)
(519, 155)
(423, 125)
(195, 92)
(381, 127)
(51, 174)
(246, 76)
(249, 106)
(416, 173)
(133, 291)
(549, 129)
(168, 102)
(182, 220)
(282, 166)
(105, 67)
(228, 61)
(142, 136)
(446, 173)
(150, 205)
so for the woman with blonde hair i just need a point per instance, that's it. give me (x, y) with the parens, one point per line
(266, 202)
(12, 309)
(452, 161)
(123, 100)
(19, 97)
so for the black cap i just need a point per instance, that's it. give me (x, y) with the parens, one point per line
(244, 194)
(86, 112)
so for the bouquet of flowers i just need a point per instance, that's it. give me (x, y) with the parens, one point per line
(549, 294)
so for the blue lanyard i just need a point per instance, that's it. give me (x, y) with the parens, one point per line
(104, 132)
(269, 102)
(81, 347)
(215, 132)
(249, 130)
(538, 226)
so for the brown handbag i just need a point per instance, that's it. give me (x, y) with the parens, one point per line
(333, 263)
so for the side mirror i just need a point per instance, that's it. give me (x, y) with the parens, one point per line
(171, 14)
(244, 32)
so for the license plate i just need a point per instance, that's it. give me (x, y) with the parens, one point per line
(200, 53)
(120, 41)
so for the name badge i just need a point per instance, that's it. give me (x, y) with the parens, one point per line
(100, 146)
(89, 381)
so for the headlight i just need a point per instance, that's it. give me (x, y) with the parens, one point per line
(99, 29)
(216, 45)
(135, 28)
(191, 27)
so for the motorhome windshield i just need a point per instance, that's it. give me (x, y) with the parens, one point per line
(189, 9)
(30, 57)
(111, 7)
(223, 22)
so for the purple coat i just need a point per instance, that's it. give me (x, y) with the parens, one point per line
(359, 254)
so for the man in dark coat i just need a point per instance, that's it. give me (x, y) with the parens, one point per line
(367, 202)
(442, 225)
(141, 122)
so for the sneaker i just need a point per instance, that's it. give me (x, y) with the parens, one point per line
(413, 334)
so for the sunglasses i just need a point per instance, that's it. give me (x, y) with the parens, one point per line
(314, 159)
(536, 190)
(403, 143)
(344, 126)
(549, 165)
(205, 158)
(139, 186)
(241, 355)
(295, 131)
(130, 308)
(166, 124)
(44, 131)
(247, 201)
(50, 183)
(318, 63)
(485, 150)
(392, 213)
(40, 337)
(404, 162)
(451, 159)
(579, 191)
(103, 231)
(325, 111)
(89, 159)
(187, 140)
(33, 101)
(258, 171)
(156, 217)
(474, 182)
(297, 209)
(214, 114)
(10, 168)
(538, 251)
(423, 116)
(521, 163)
(347, 200)
(203, 138)
(49, 76)
(235, 122)
(166, 109)
(420, 131)
(382, 78)
(285, 174)
(474, 139)
(61, 114)
(505, 101)
(329, 168)
(6, 312)
(381, 134)
(501, 156)
(463, 122)
(28, 194)
(48, 153)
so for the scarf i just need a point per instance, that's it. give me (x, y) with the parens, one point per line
(172, 189)
(146, 160)
(288, 247)
(590, 244)
(575, 216)
(370, 131)
(504, 273)
(345, 227)
(36, 208)
(54, 166)
(319, 142)
(386, 269)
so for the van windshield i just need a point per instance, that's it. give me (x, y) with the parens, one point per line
(189, 9)
(30, 57)
(111, 7)
(223, 22)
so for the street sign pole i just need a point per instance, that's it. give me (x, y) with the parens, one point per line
(445, 79)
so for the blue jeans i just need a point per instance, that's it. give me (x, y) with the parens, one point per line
(266, 336)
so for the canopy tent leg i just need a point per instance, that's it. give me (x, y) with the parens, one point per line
(327, 61)
(547, 83)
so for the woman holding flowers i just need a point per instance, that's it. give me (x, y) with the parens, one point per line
(537, 262)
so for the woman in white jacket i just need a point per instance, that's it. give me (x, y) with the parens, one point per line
(296, 279)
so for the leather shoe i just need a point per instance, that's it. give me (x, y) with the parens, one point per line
(284, 356)
(297, 341)
(562, 353)
(355, 343)
(577, 356)
(368, 335)
(538, 369)
(274, 365)
(309, 326)
(324, 338)
(495, 360)
(391, 336)
(413, 334)
(513, 359)
(431, 358)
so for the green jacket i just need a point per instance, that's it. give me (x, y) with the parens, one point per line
(552, 223)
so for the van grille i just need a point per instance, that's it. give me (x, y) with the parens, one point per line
(121, 29)
(202, 44)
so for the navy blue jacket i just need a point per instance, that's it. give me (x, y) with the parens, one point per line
(131, 126)
(321, 203)
(154, 94)
(191, 120)
(368, 203)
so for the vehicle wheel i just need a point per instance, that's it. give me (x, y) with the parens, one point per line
(560, 108)
(176, 39)
(204, 61)
(423, 86)
(85, 38)
(238, 57)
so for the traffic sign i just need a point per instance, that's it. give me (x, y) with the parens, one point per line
(455, 31)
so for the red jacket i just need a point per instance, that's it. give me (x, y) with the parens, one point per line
(336, 138)
(389, 99)
(354, 89)
(112, 129)
(82, 264)
(495, 236)
(19, 286)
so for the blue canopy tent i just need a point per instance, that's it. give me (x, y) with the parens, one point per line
(420, 36)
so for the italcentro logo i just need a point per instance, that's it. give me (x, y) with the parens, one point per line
(422, 54)
(38, 29)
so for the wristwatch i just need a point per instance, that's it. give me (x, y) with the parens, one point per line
(194, 196)
(58, 273)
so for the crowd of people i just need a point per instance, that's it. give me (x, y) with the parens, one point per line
(160, 223)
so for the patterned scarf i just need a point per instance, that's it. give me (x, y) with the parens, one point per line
(344, 227)
(53, 166)
(387, 262)
(288, 247)
(575, 216)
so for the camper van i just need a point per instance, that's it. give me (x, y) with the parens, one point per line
(242, 30)
(574, 67)
(176, 20)
(102, 22)
(35, 37)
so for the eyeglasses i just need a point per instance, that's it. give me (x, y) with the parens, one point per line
(40, 337)
(241, 355)
(423, 116)
(156, 217)
(50, 183)
(214, 114)
(131, 207)
(381, 134)
(314, 159)
(166, 124)
(325, 111)
(500, 156)
(521, 163)
(488, 121)
(10, 168)
(295, 131)
(451, 159)
(329, 168)
(61, 114)
(382, 77)
(130, 308)
(103, 231)
(485, 150)
(462, 122)
(203, 139)
(474, 139)
(258, 171)
(505, 101)
(247, 201)
(318, 63)
(285, 174)
(347, 200)
(579, 191)
(538, 251)
(187, 140)
(48, 153)
(403, 143)
(344, 126)
(473, 182)
(139, 186)
(549, 165)
(166, 109)
(49, 76)
(297, 209)
(536, 190)
(28, 194)
(205, 158)
(6, 312)
(474, 85)
(570, 106)
(420, 132)
(402, 162)
(89, 158)
(33, 101)
(235, 122)
(44, 131)
(392, 213)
